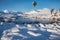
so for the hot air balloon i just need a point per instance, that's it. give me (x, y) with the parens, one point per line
(34, 3)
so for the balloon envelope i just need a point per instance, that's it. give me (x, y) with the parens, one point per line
(34, 3)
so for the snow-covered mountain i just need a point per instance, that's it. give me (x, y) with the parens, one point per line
(11, 27)
(42, 15)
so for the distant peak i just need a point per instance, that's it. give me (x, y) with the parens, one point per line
(5, 11)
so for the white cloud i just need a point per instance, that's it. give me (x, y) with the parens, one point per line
(46, 10)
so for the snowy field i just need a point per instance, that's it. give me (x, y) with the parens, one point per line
(12, 31)
(33, 25)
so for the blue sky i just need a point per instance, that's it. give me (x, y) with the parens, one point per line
(26, 5)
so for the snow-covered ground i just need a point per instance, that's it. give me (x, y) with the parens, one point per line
(32, 25)
(12, 31)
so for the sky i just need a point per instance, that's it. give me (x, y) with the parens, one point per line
(26, 5)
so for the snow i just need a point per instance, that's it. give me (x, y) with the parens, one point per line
(30, 31)
(5, 11)
(41, 25)
(25, 27)
(43, 16)
(33, 34)
(1, 23)
(30, 27)
(14, 30)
